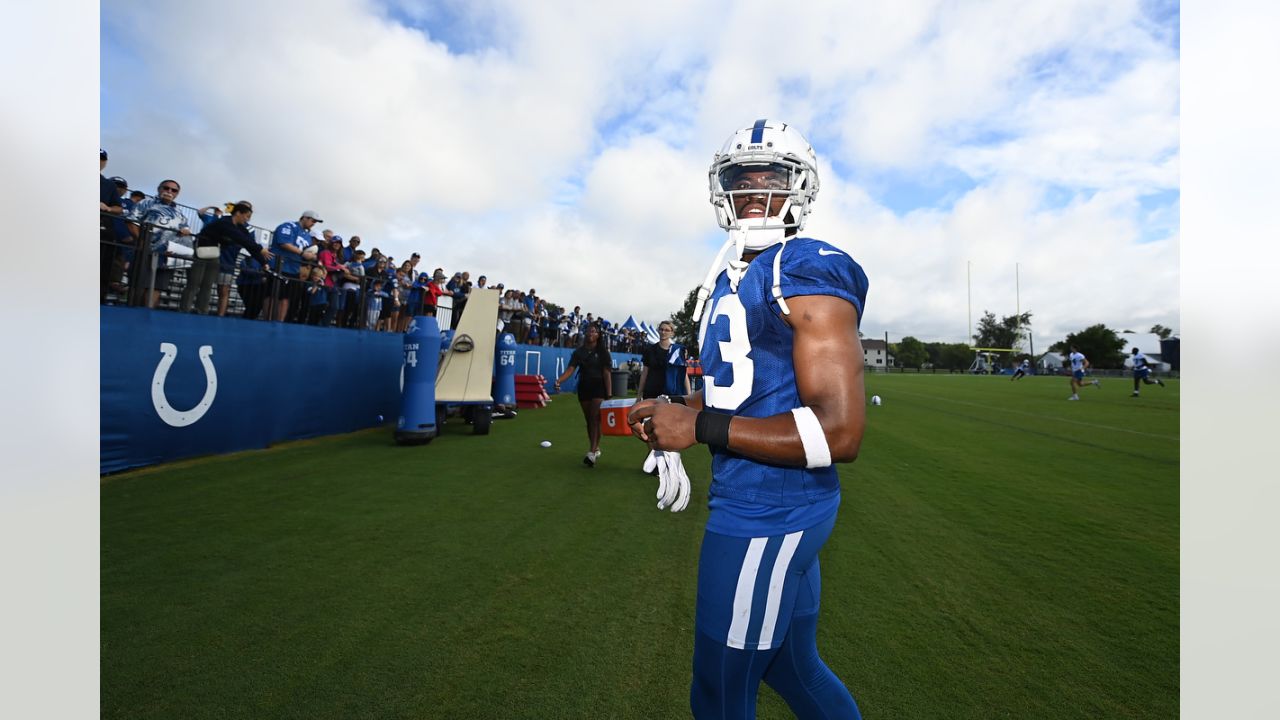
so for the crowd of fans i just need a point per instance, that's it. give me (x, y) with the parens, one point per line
(154, 250)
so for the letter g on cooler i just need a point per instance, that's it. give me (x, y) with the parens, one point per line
(182, 418)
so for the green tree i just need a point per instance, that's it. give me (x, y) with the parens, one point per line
(1002, 333)
(1103, 347)
(909, 353)
(1006, 332)
(686, 324)
(949, 356)
(1162, 331)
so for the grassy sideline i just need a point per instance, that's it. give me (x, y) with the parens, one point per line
(1000, 553)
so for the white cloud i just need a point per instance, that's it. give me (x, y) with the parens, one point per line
(1124, 135)
(932, 273)
(564, 147)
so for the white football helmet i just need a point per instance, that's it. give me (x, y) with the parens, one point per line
(773, 164)
(770, 159)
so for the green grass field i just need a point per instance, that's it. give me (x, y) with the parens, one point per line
(1000, 553)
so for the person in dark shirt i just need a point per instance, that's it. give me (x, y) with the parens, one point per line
(251, 283)
(593, 363)
(213, 238)
(108, 205)
(319, 296)
(227, 268)
(459, 288)
(664, 365)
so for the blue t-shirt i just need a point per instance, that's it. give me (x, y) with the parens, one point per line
(290, 233)
(121, 227)
(416, 291)
(748, 371)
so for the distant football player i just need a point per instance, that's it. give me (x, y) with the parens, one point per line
(783, 402)
(1022, 370)
(1079, 363)
(1142, 372)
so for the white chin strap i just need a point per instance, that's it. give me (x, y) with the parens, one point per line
(742, 239)
(756, 235)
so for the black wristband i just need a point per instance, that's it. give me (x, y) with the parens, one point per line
(712, 428)
(673, 399)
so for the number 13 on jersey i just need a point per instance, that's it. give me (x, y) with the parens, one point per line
(729, 393)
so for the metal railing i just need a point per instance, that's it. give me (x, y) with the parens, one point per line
(134, 275)
(131, 272)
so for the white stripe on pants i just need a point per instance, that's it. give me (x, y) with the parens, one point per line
(743, 596)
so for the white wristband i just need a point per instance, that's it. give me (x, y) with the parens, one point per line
(816, 451)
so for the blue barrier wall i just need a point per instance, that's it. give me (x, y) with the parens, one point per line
(178, 385)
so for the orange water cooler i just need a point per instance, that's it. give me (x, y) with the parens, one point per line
(613, 416)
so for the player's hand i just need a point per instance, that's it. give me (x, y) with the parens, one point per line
(663, 425)
(636, 423)
(673, 481)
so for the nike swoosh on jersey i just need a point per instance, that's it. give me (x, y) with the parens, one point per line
(822, 251)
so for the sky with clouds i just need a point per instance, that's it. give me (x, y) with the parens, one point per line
(995, 155)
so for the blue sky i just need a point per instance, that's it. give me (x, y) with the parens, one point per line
(561, 146)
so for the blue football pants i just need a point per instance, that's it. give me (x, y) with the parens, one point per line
(726, 679)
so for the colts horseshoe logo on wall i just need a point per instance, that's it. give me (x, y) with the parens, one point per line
(182, 418)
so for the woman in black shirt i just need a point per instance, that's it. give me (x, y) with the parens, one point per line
(593, 363)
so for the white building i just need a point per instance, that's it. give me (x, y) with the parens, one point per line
(1149, 345)
(1050, 361)
(875, 354)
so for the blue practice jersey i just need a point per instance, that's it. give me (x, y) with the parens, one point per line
(677, 366)
(748, 370)
(290, 233)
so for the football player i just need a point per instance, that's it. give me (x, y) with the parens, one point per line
(1142, 372)
(783, 401)
(1022, 370)
(1079, 363)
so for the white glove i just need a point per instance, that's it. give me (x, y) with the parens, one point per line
(651, 464)
(673, 481)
